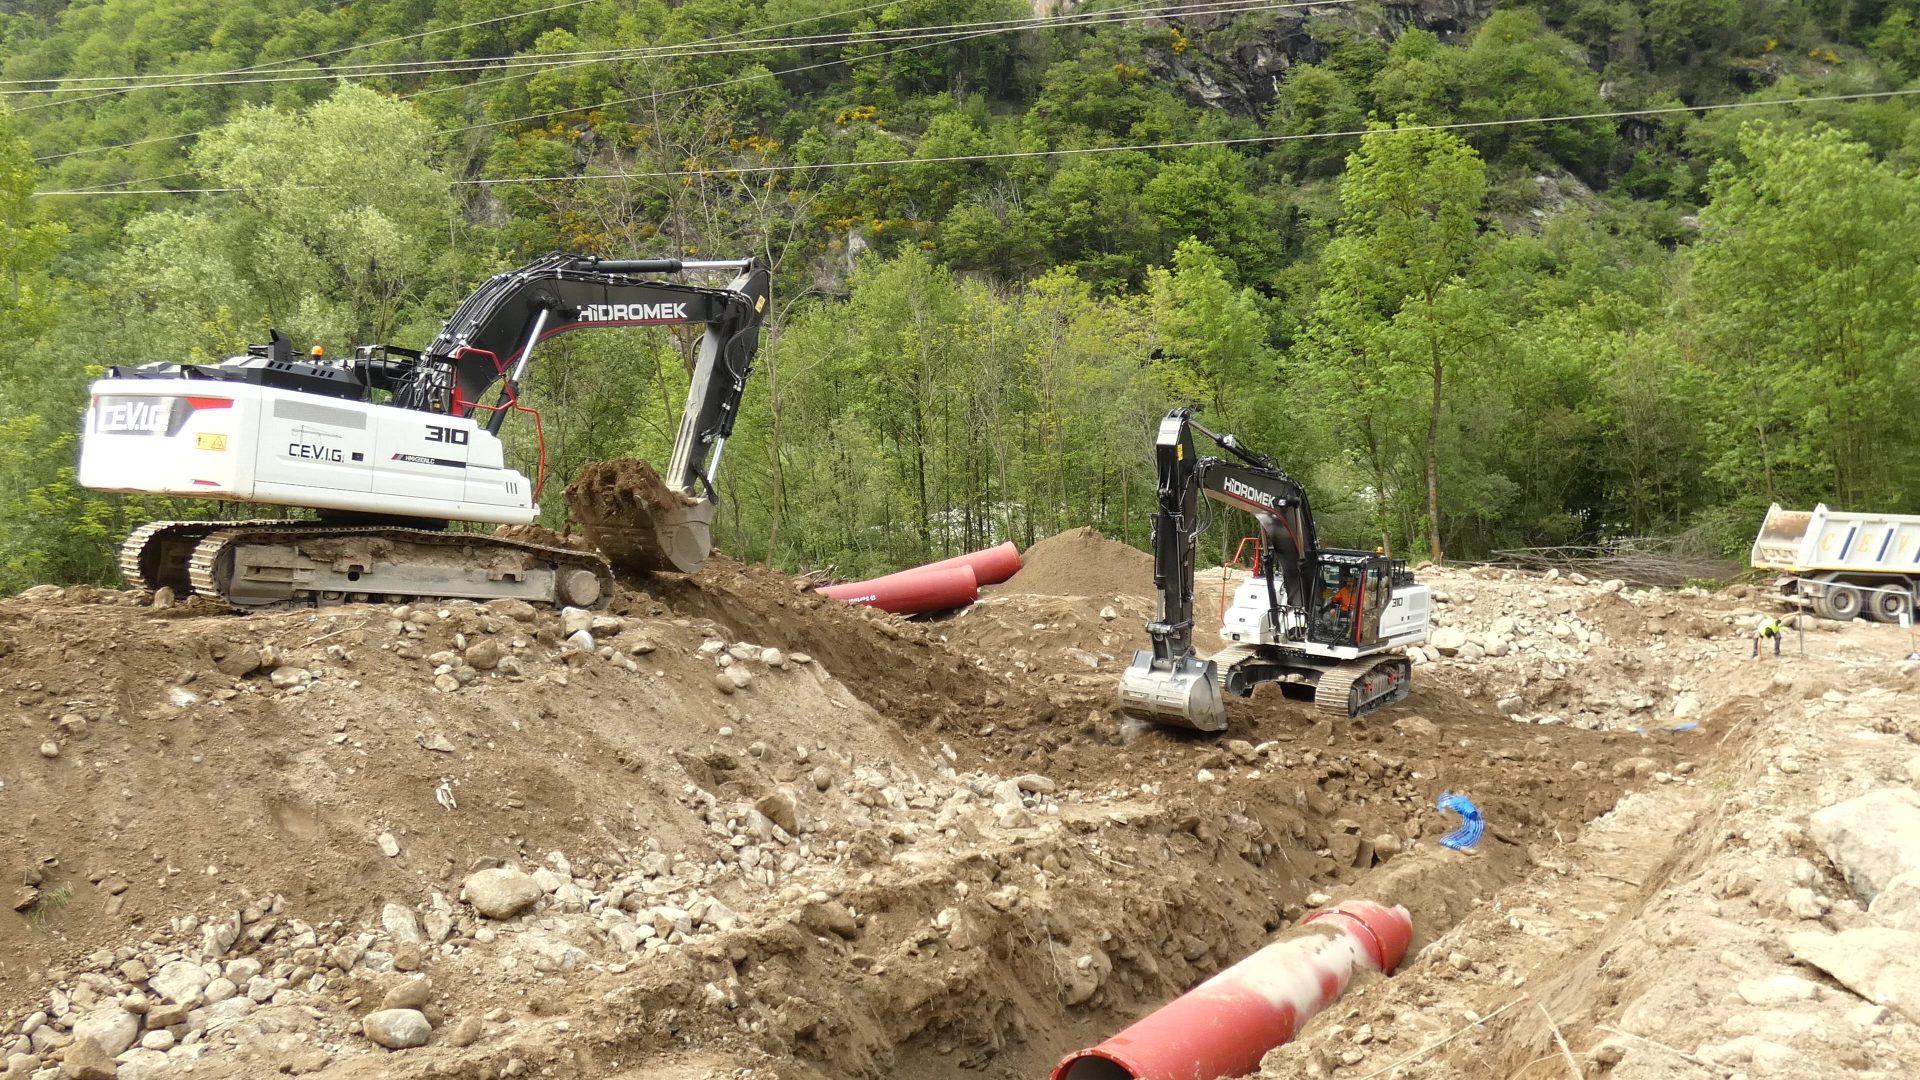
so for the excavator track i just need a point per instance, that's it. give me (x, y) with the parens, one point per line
(255, 566)
(1361, 686)
(155, 555)
(1226, 658)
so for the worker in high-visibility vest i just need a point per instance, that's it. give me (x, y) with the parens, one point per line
(1769, 628)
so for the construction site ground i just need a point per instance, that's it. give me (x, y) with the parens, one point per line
(733, 829)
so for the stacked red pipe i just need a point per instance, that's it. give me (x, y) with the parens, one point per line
(938, 586)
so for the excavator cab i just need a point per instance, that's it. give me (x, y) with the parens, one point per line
(1352, 590)
(1338, 589)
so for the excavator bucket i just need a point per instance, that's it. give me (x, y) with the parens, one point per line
(638, 521)
(1183, 692)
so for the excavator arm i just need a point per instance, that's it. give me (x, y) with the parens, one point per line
(492, 335)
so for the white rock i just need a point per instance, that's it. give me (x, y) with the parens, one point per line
(220, 990)
(400, 923)
(397, 1029)
(287, 676)
(1872, 839)
(575, 621)
(1776, 991)
(738, 675)
(581, 640)
(180, 982)
(1685, 705)
(1880, 965)
(388, 845)
(1805, 903)
(1447, 640)
(110, 1026)
(1898, 904)
(773, 658)
(500, 893)
(157, 1040)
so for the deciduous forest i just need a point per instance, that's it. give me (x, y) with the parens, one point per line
(1482, 276)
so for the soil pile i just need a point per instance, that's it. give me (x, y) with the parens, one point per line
(730, 828)
(1081, 562)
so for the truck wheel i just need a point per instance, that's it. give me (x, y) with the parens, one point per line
(1844, 602)
(1889, 603)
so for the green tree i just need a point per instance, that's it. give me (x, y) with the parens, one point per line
(1805, 296)
(1395, 301)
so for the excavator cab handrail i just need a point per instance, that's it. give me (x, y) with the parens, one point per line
(1236, 562)
(511, 404)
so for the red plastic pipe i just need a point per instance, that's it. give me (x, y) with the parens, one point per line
(912, 592)
(1224, 1026)
(991, 566)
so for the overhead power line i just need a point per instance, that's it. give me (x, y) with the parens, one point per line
(1084, 18)
(538, 62)
(1251, 140)
(1243, 6)
(349, 48)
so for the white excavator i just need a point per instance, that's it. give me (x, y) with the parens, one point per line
(1329, 625)
(390, 445)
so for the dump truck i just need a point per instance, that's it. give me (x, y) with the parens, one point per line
(1843, 564)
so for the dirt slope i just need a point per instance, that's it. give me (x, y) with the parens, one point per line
(759, 834)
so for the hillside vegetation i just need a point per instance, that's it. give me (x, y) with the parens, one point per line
(1557, 291)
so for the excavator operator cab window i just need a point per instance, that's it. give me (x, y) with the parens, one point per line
(1336, 603)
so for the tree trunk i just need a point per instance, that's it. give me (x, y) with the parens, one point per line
(1433, 448)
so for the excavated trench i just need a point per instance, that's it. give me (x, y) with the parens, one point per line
(1172, 857)
(982, 934)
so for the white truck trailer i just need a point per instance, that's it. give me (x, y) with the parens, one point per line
(1843, 564)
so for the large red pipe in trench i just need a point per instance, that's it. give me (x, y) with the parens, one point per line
(911, 592)
(1224, 1026)
(991, 566)
(936, 586)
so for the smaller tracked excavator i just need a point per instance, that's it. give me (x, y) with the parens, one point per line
(391, 444)
(1328, 625)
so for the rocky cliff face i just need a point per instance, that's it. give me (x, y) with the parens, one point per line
(1237, 64)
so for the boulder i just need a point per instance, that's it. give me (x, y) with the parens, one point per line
(1872, 839)
(181, 983)
(1447, 639)
(484, 655)
(782, 808)
(400, 923)
(111, 1027)
(1879, 964)
(1898, 904)
(573, 621)
(397, 1029)
(86, 1060)
(501, 893)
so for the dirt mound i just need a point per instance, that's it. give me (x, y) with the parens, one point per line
(768, 832)
(1081, 562)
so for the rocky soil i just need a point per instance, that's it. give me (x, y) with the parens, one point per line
(729, 828)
